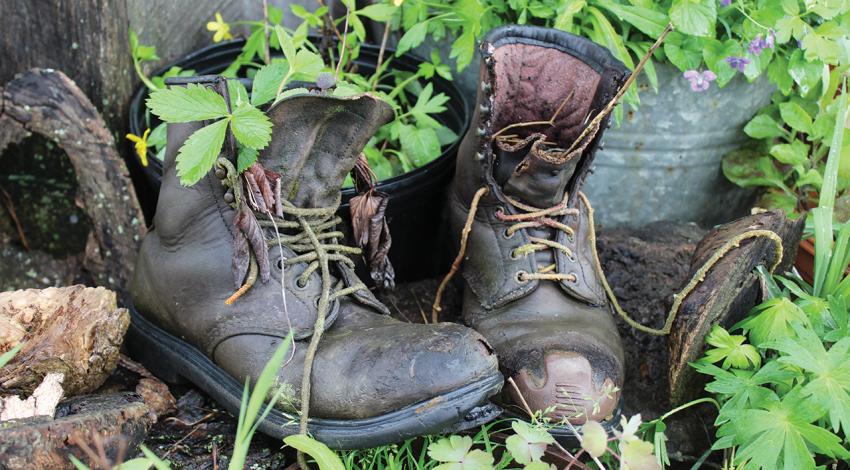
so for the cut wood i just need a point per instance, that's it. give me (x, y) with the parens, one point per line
(728, 291)
(115, 423)
(76, 331)
(46, 102)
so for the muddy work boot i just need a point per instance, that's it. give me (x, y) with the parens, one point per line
(531, 279)
(375, 380)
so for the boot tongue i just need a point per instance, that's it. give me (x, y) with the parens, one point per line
(316, 140)
(541, 176)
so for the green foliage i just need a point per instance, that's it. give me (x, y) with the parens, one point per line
(414, 138)
(792, 411)
(793, 138)
(324, 457)
(252, 403)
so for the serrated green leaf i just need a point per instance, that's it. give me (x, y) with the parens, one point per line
(772, 320)
(463, 49)
(648, 21)
(420, 144)
(251, 127)
(266, 82)
(286, 43)
(198, 154)
(412, 38)
(694, 17)
(186, 104)
(381, 12)
(245, 157)
(238, 93)
(306, 66)
(731, 350)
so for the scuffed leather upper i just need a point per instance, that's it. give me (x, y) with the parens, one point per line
(367, 363)
(530, 321)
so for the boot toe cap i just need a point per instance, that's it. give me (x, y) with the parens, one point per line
(569, 386)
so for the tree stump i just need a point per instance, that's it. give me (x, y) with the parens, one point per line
(48, 103)
(76, 331)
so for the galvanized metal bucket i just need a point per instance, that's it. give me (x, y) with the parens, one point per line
(663, 162)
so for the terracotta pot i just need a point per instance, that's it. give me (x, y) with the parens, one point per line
(805, 262)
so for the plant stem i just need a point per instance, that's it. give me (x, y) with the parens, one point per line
(593, 126)
(148, 83)
(381, 53)
(267, 55)
(344, 44)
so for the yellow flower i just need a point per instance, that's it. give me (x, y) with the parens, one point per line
(141, 144)
(398, 2)
(222, 29)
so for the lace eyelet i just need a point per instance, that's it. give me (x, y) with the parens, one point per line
(279, 264)
(520, 277)
(316, 302)
(299, 285)
(572, 258)
(572, 278)
(507, 235)
(513, 255)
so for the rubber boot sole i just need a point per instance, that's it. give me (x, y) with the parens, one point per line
(175, 361)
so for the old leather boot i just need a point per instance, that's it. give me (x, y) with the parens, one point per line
(531, 284)
(375, 380)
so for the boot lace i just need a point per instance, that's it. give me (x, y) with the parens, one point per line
(532, 217)
(311, 235)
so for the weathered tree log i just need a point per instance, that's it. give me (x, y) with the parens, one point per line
(111, 422)
(729, 290)
(48, 103)
(76, 331)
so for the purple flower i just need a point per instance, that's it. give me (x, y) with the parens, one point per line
(725, 3)
(770, 41)
(700, 81)
(737, 63)
(757, 45)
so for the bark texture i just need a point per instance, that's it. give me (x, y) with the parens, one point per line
(76, 331)
(111, 422)
(48, 103)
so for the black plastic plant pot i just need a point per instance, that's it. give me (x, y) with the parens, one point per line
(415, 208)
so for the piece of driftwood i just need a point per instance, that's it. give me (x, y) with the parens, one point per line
(76, 331)
(47, 102)
(115, 423)
(728, 291)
